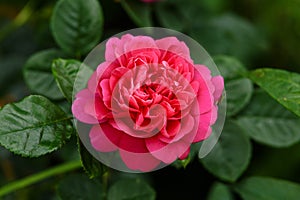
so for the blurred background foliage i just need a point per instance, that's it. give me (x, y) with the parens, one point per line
(258, 33)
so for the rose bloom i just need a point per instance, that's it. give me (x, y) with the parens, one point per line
(148, 101)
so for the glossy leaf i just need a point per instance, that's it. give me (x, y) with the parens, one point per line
(33, 127)
(133, 189)
(238, 89)
(38, 75)
(219, 191)
(92, 166)
(282, 85)
(230, 156)
(77, 25)
(65, 73)
(265, 188)
(267, 122)
(79, 186)
(139, 12)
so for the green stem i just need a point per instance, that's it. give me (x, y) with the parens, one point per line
(19, 20)
(105, 178)
(18, 184)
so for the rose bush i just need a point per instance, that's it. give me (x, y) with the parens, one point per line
(149, 101)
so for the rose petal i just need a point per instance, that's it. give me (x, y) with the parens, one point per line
(144, 162)
(204, 128)
(132, 144)
(124, 141)
(185, 154)
(101, 110)
(92, 83)
(172, 44)
(218, 82)
(139, 42)
(83, 100)
(167, 153)
(99, 140)
(115, 47)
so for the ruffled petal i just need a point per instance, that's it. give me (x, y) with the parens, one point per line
(115, 47)
(172, 44)
(167, 153)
(218, 82)
(99, 140)
(144, 162)
(82, 106)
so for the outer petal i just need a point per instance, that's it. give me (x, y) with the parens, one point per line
(99, 140)
(204, 128)
(172, 44)
(183, 156)
(218, 82)
(205, 93)
(80, 107)
(92, 83)
(144, 162)
(139, 42)
(167, 153)
(115, 47)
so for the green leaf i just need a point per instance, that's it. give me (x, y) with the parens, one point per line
(229, 67)
(282, 85)
(92, 166)
(77, 25)
(230, 157)
(169, 16)
(220, 191)
(180, 15)
(133, 189)
(231, 35)
(66, 72)
(38, 75)
(238, 94)
(34, 126)
(267, 122)
(238, 89)
(265, 188)
(79, 186)
(139, 12)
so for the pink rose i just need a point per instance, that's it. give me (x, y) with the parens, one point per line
(148, 101)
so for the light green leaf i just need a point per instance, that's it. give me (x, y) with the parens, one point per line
(267, 122)
(238, 89)
(34, 127)
(230, 156)
(79, 186)
(92, 166)
(133, 189)
(282, 85)
(139, 12)
(219, 191)
(265, 188)
(66, 72)
(77, 25)
(38, 75)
